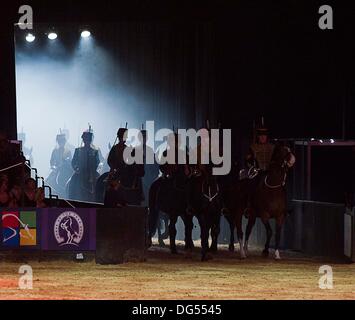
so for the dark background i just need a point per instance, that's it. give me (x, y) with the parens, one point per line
(269, 58)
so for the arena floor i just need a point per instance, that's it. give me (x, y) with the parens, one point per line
(182, 276)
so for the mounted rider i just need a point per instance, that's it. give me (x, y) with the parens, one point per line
(151, 170)
(60, 164)
(260, 152)
(116, 158)
(171, 171)
(129, 175)
(85, 163)
(61, 153)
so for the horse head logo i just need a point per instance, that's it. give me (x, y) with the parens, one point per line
(68, 229)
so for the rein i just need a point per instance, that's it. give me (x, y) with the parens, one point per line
(279, 185)
(209, 196)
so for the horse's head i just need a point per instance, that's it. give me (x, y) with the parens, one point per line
(283, 157)
(282, 160)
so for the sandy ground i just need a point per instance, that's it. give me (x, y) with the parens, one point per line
(182, 276)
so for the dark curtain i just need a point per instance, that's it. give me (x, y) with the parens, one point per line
(168, 65)
(7, 78)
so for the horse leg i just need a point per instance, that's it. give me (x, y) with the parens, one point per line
(160, 238)
(215, 230)
(240, 235)
(268, 237)
(204, 237)
(279, 223)
(250, 225)
(231, 237)
(172, 234)
(153, 208)
(188, 231)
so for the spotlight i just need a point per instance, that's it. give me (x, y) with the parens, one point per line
(30, 37)
(85, 34)
(52, 36)
(332, 141)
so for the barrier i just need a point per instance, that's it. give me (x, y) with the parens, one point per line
(349, 234)
(112, 233)
(121, 234)
(316, 228)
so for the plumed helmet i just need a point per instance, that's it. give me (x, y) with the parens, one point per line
(261, 129)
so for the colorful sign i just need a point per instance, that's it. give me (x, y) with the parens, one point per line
(20, 228)
(68, 229)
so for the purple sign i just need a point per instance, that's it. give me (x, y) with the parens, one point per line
(68, 229)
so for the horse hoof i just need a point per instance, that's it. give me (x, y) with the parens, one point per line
(265, 253)
(277, 255)
(149, 242)
(206, 257)
(189, 246)
(231, 248)
(161, 244)
(212, 249)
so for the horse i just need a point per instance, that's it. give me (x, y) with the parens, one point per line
(235, 199)
(269, 198)
(129, 188)
(205, 203)
(168, 194)
(163, 224)
(59, 177)
(82, 187)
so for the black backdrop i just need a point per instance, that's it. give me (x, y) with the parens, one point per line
(227, 60)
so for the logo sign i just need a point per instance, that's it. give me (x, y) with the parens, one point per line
(68, 229)
(19, 229)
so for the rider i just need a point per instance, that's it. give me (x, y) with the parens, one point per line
(60, 165)
(85, 162)
(61, 153)
(168, 170)
(116, 159)
(151, 170)
(120, 166)
(258, 159)
(260, 152)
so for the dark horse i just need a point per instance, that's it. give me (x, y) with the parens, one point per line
(269, 197)
(59, 177)
(235, 199)
(168, 194)
(204, 202)
(129, 188)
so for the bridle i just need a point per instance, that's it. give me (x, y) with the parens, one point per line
(278, 185)
(285, 165)
(210, 197)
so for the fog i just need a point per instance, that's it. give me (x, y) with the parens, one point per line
(61, 89)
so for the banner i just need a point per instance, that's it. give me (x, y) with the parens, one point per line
(20, 229)
(68, 229)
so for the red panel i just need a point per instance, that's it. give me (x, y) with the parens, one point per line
(9, 219)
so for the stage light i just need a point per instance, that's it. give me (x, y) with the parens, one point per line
(52, 36)
(30, 37)
(332, 141)
(85, 34)
(320, 140)
(312, 139)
